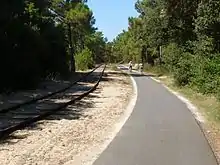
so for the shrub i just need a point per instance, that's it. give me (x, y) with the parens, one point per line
(84, 60)
(171, 56)
(159, 69)
(207, 74)
(184, 69)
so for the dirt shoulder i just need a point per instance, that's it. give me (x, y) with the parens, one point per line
(207, 106)
(59, 139)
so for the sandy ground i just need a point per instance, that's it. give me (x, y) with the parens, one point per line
(44, 88)
(63, 137)
(212, 133)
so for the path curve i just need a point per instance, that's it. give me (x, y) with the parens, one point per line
(160, 131)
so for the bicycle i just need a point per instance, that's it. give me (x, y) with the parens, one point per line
(130, 68)
(141, 70)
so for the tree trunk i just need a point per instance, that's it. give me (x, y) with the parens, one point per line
(72, 58)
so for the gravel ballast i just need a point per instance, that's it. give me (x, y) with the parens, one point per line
(67, 136)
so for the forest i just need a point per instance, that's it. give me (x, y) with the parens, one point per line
(179, 37)
(45, 39)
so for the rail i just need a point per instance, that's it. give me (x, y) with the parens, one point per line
(11, 127)
(48, 95)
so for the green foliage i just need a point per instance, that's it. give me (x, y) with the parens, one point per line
(206, 75)
(171, 56)
(208, 21)
(184, 70)
(97, 44)
(148, 30)
(204, 47)
(28, 38)
(35, 40)
(189, 34)
(158, 70)
(84, 60)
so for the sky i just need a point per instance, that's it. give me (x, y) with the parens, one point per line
(112, 15)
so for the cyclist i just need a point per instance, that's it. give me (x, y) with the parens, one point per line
(130, 66)
(141, 67)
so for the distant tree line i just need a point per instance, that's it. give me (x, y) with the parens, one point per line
(188, 33)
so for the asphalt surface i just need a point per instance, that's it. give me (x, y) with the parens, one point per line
(160, 131)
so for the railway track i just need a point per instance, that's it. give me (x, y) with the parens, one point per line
(24, 114)
(18, 105)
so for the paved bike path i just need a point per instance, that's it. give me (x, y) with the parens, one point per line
(160, 131)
